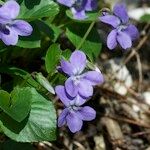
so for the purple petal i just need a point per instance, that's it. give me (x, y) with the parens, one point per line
(79, 15)
(112, 39)
(23, 28)
(71, 88)
(111, 20)
(4, 17)
(61, 93)
(79, 100)
(74, 122)
(94, 77)
(11, 38)
(87, 113)
(91, 5)
(68, 3)
(121, 12)
(10, 10)
(78, 61)
(66, 67)
(132, 31)
(124, 40)
(85, 89)
(62, 117)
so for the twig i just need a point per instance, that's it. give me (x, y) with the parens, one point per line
(113, 129)
(107, 93)
(80, 146)
(141, 43)
(49, 145)
(140, 72)
(140, 133)
(138, 123)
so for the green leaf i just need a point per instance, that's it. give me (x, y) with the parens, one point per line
(58, 79)
(44, 82)
(19, 72)
(3, 47)
(56, 32)
(4, 98)
(52, 57)
(32, 10)
(91, 16)
(50, 30)
(91, 46)
(16, 104)
(40, 125)
(13, 71)
(66, 54)
(145, 18)
(12, 145)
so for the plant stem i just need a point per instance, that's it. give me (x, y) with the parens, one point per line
(62, 25)
(86, 35)
(87, 32)
(1, 2)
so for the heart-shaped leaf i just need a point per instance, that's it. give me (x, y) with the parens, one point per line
(32, 10)
(16, 104)
(40, 124)
(52, 57)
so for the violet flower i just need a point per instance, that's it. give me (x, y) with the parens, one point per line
(79, 7)
(78, 83)
(123, 32)
(73, 115)
(10, 27)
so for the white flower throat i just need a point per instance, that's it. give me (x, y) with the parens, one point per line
(76, 79)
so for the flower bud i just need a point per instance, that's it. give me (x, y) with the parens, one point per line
(44, 82)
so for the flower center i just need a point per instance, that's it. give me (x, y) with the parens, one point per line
(79, 4)
(74, 108)
(105, 11)
(4, 29)
(76, 80)
(121, 27)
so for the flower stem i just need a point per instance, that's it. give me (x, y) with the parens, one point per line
(87, 32)
(1, 2)
(86, 35)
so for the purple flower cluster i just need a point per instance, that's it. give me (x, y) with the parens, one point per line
(10, 27)
(123, 32)
(77, 89)
(79, 7)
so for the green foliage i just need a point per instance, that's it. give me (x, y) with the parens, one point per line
(39, 125)
(66, 54)
(91, 46)
(17, 101)
(44, 82)
(31, 10)
(15, 146)
(48, 29)
(145, 18)
(19, 73)
(52, 57)
(28, 70)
